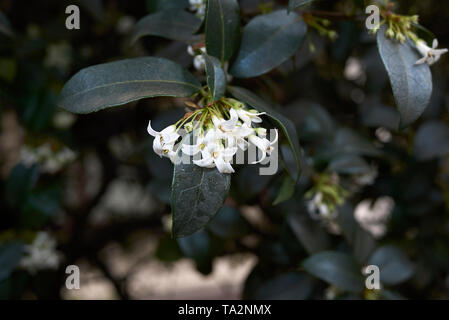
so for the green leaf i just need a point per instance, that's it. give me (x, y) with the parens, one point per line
(5, 26)
(393, 264)
(267, 41)
(361, 242)
(10, 255)
(281, 121)
(171, 24)
(95, 8)
(222, 28)
(197, 195)
(229, 224)
(287, 190)
(216, 77)
(158, 5)
(19, 184)
(432, 141)
(292, 4)
(336, 268)
(197, 247)
(288, 286)
(308, 232)
(116, 83)
(412, 84)
(349, 164)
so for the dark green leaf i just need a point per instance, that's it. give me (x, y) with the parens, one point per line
(222, 28)
(336, 268)
(229, 224)
(281, 121)
(412, 84)
(197, 247)
(5, 26)
(197, 195)
(216, 77)
(115, 83)
(362, 242)
(19, 184)
(393, 264)
(292, 4)
(158, 5)
(10, 255)
(288, 286)
(349, 164)
(267, 41)
(95, 8)
(287, 190)
(309, 233)
(177, 25)
(432, 140)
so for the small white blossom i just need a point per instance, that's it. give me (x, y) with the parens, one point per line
(318, 209)
(199, 7)
(430, 55)
(265, 145)
(41, 254)
(198, 60)
(164, 141)
(250, 116)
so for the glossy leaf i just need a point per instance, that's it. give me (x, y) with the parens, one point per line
(229, 224)
(177, 25)
(5, 26)
(412, 84)
(292, 4)
(216, 77)
(158, 5)
(286, 191)
(349, 164)
(10, 255)
(309, 233)
(222, 28)
(116, 83)
(281, 121)
(432, 140)
(393, 264)
(288, 286)
(197, 195)
(338, 269)
(267, 41)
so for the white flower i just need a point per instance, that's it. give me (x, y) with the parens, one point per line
(374, 217)
(430, 55)
(201, 142)
(318, 209)
(164, 141)
(41, 254)
(250, 116)
(265, 145)
(199, 6)
(215, 154)
(198, 61)
(223, 126)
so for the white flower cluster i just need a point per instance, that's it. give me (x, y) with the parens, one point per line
(49, 160)
(199, 7)
(41, 254)
(216, 139)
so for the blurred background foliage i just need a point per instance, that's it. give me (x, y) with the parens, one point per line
(72, 185)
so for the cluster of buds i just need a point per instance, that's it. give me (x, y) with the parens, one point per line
(219, 130)
(400, 28)
(325, 197)
(321, 25)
